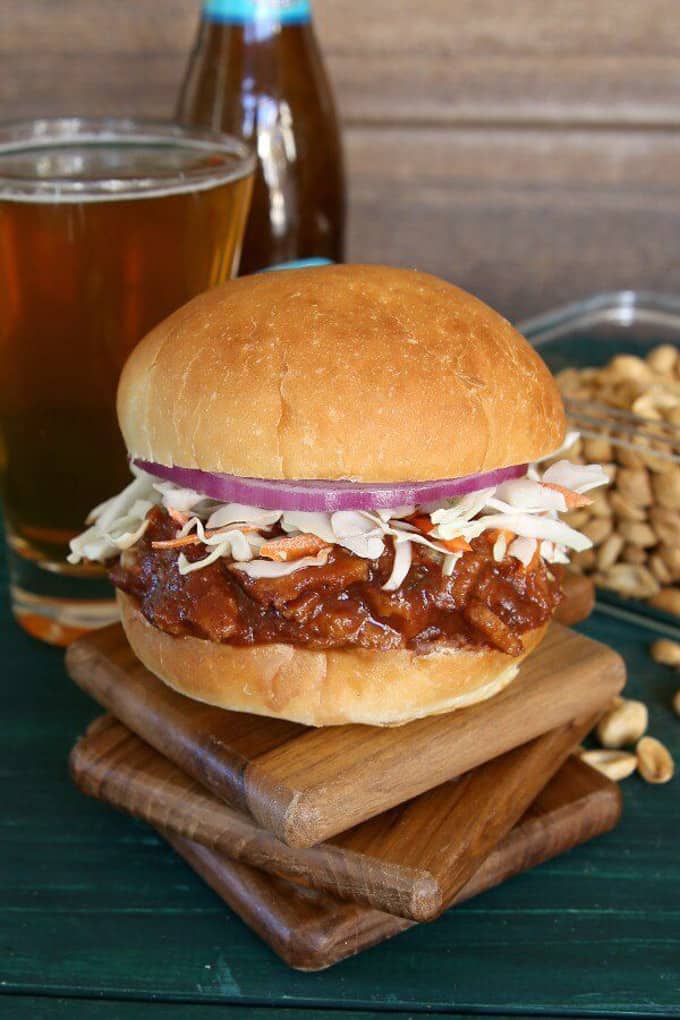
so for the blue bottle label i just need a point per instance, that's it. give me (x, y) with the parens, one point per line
(244, 12)
(297, 264)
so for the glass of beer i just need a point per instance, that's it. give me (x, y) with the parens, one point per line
(106, 226)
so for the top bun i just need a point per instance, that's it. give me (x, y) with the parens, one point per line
(365, 373)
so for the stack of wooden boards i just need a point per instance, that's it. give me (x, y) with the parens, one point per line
(328, 841)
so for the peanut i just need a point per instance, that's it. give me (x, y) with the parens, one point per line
(668, 600)
(598, 529)
(645, 407)
(662, 398)
(658, 567)
(662, 359)
(637, 533)
(634, 554)
(629, 367)
(614, 765)
(666, 652)
(578, 518)
(634, 486)
(597, 450)
(657, 465)
(629, 579)
(666, 488)
(654, 761)
(609, 552)
(600, 507)
(623, 724)
(570, 379)
(666, 524)
(676, 702)
(670, 554)
(624, 509)
(629, 458)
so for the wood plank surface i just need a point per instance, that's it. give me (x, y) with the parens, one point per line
(453, 61)
(306, 785)
(20, 1007)
(434, 61)
(411, 861)
(527, 154)
(528, 219)
(312, 931)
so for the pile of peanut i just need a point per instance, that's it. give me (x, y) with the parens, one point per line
(635, 523)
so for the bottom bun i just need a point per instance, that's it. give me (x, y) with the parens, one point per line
(322, 688)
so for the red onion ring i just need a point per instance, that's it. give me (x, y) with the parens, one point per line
(326, 496)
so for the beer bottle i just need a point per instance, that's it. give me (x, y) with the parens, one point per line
(256, 72)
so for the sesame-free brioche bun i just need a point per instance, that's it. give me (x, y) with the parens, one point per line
(321, 688)
(350, 372)
(341, 372)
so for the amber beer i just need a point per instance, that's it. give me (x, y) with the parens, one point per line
(256, 71)
(103, 232)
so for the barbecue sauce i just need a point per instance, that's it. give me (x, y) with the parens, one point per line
(341, 604)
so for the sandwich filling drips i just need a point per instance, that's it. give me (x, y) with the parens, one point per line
(478, 570)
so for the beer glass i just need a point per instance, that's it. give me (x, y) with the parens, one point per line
(106, 226)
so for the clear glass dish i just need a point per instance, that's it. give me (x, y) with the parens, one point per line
(590, 333)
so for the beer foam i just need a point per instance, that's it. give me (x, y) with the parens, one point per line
(104, 167)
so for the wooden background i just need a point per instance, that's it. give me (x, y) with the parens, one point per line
(528, 150)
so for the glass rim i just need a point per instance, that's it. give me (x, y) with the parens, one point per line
(24, 135)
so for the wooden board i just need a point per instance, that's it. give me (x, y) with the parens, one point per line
(306, 785)
(311, 930)
(410, 861)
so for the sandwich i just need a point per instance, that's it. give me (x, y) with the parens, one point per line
(339, 509)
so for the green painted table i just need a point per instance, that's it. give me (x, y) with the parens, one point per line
(99, 919)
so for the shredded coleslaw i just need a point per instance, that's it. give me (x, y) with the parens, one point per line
(523, 514)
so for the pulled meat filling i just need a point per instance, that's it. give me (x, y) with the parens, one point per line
(341, 604)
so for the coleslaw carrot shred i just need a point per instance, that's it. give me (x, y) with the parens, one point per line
(193, 539)
(294, 547)
(458, 544)
(422, 523)
(176, 543)
(573, 500)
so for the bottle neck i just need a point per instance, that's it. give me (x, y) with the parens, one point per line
(259, 17)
